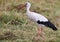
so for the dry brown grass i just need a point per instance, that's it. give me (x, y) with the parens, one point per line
(16, 27)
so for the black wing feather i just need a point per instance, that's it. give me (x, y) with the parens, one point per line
(48, 24)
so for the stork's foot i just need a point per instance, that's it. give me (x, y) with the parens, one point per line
(39, 38)
(43, 37)
(40, 35)
(36, 39)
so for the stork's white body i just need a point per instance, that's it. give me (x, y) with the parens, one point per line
(35, 17)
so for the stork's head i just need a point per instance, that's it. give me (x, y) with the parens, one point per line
(28, 4)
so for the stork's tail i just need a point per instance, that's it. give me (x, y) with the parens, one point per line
(49, 24)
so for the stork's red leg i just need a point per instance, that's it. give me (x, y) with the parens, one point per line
(42, 34)
(39, 32)
(38, 35)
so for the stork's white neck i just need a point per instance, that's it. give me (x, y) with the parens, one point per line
(28, 8)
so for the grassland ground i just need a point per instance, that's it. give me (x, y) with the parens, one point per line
(16, 27)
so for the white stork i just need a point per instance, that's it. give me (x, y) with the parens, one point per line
(39, 19)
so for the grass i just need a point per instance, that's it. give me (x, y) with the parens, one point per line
(16, 27)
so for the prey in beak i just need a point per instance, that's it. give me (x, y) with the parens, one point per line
(21, 6)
